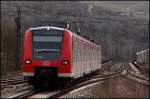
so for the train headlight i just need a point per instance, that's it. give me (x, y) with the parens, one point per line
(64, 62)
(28, 61)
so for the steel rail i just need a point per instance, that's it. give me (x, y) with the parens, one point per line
(134, 78)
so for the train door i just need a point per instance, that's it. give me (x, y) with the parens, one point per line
(82, 59)
(86, 62)
(79, 58)
(86, 59)
(74, 56)
(89, 58)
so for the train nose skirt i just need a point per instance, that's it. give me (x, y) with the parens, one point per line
(46, 72)
(45, 77)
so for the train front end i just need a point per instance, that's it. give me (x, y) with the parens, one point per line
(47, 54)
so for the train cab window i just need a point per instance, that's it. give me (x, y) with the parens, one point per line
(47, 38)
(47, 44)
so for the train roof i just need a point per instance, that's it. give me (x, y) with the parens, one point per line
(47, 28)
(58, 28)
(81, 38)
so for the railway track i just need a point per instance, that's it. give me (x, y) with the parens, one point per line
(10, 79)
(71, 88)
(15, 90)
(15, 85)
(27, 93)
(23, 94)
(13, 82)
(74, 86)
(136, 72)
(135, 75)
(8, 83)
(123, 70)
(137, 79)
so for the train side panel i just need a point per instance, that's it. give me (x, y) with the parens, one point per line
(86, 57)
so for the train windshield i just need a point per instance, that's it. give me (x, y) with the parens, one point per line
(47, 44)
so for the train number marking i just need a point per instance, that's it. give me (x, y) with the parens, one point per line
(46, 63)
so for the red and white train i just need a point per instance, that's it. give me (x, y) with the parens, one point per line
(55, 52)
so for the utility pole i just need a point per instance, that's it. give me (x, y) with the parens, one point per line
(18, 38)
